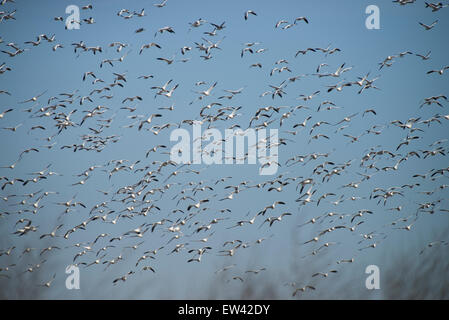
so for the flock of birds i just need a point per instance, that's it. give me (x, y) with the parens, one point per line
(170, 216)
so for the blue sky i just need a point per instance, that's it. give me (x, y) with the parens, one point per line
(403, 86)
